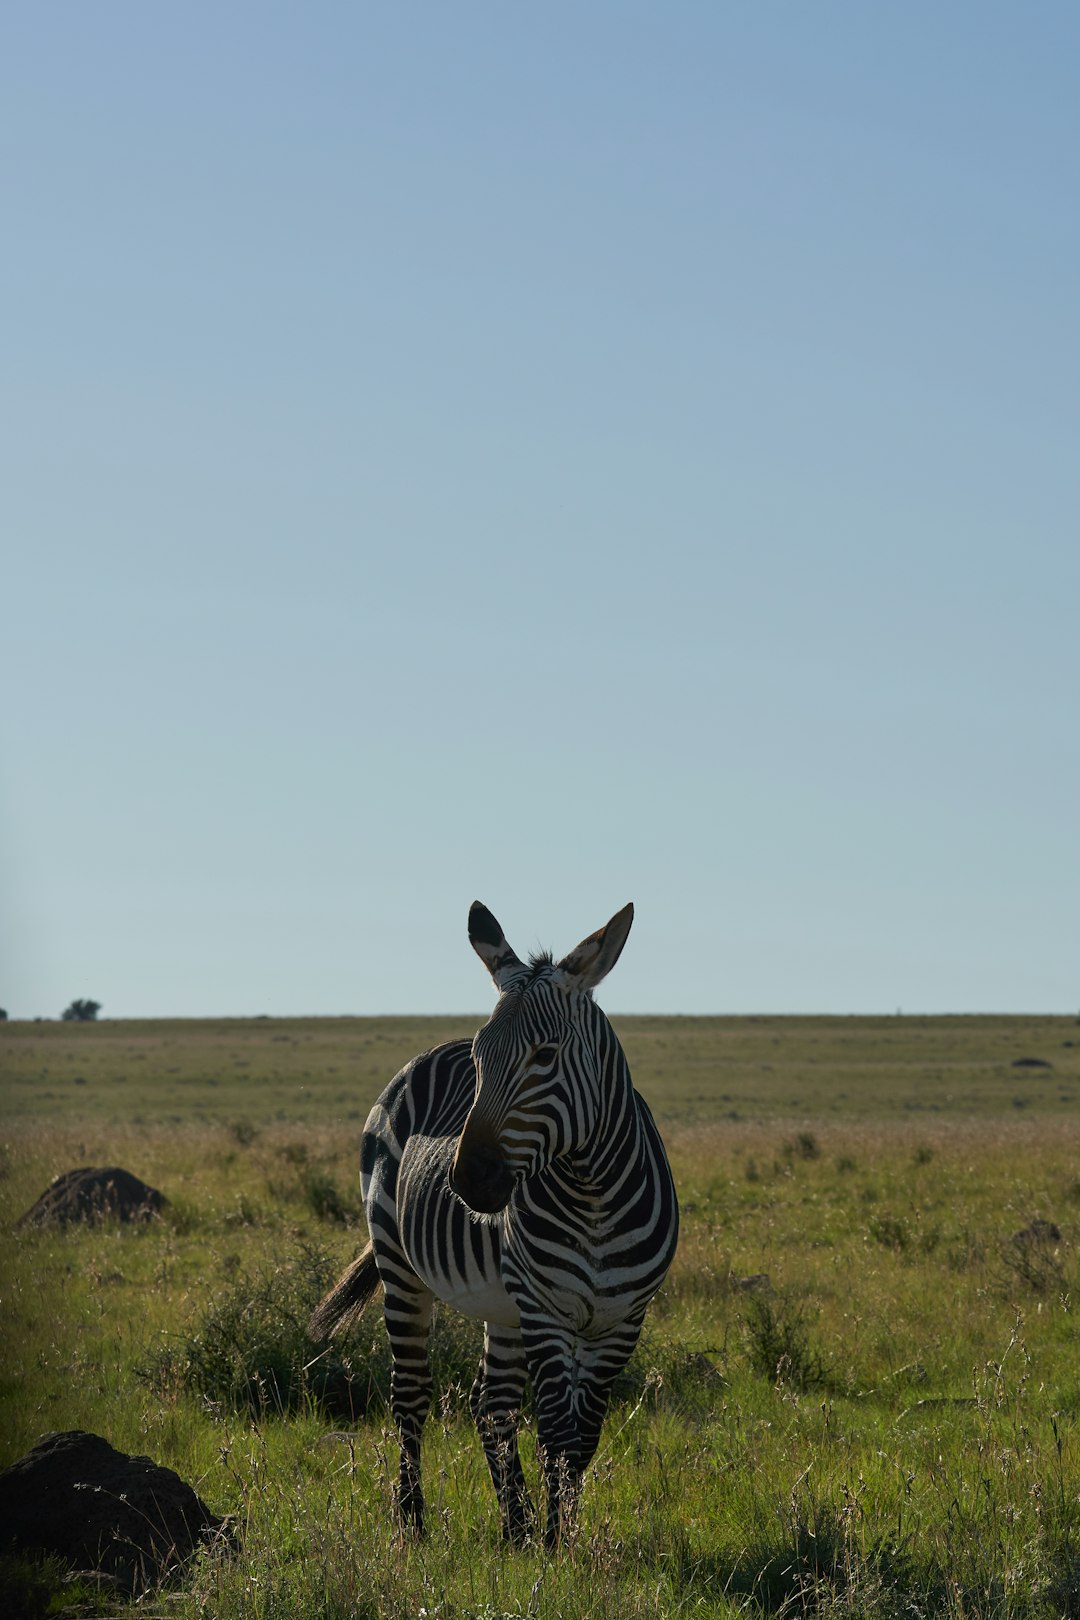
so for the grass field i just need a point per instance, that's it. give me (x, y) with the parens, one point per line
(858, 1393)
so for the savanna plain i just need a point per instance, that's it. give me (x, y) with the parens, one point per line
(857, 1394)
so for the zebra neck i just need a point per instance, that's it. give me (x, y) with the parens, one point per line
(616, 1153)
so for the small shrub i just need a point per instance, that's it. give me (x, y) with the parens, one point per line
(890, 1231)
(1031, 1259)
(803, 1146)
(243, 1131)
(250, 1351)
(690, 1379)
(673, 1376)
(821, 1557)
(778, 1345)
(321, 1195)
(245, 1213)
(965, 1252)
(181, 1216)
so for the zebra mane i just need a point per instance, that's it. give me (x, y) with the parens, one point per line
(540, 967)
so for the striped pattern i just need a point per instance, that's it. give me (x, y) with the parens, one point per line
(521, 1179)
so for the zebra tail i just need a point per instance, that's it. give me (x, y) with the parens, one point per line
(342, 1307)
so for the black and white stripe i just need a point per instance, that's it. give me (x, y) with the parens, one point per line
(521, 1179)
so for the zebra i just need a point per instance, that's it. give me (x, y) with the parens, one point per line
(520, 1178)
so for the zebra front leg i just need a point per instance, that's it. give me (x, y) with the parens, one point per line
(599, 1363)
(495, 1402)
(408, 1320)
(549, 1351)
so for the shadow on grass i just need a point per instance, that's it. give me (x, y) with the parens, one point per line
(817, 1566)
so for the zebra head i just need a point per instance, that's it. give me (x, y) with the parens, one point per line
(540, 1061)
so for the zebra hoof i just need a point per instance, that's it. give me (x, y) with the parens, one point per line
(519, 1525)
(410, 1514)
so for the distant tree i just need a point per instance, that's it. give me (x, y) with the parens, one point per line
(3, 1014)
(81, 1012)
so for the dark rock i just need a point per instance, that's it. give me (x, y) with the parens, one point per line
(74, 1496)
(92, 1195)
(1031, 1063)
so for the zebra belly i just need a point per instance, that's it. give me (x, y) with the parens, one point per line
(490, 1303)
(456, 1255)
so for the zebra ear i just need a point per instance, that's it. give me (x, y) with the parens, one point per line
(489, 942)
(595, 957)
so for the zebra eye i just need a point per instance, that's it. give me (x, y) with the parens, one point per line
(545, 1055)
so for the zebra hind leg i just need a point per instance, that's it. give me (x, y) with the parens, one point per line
(495, 1402)
(408, 1321)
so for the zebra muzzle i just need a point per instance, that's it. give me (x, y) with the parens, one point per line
(480, 1175)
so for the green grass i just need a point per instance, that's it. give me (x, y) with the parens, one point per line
(252, 1072)
(856, 1394)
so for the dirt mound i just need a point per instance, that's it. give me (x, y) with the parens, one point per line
(92, 1195)
(75, 1496)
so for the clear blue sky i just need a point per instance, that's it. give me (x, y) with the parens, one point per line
(557, 455)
